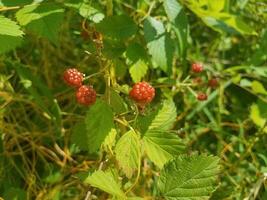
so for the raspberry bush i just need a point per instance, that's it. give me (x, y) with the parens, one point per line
(164, 99)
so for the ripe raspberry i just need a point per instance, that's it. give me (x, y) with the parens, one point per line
(213, 83)
(202, 96)
(142, 93)
(73, 77)
(86, 95)
(197, 67)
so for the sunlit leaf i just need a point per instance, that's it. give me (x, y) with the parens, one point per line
(99, 122)
(189, 177)
(117, 27)
(128, 152)
(159, 44)
(165, 117)
(10, 34)
(105, 181)
(42, 19)
(162, 146)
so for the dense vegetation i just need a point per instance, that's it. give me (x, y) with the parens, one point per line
(202, 136)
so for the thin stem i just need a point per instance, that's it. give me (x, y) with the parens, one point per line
(109, 7)
(92, 75)
(9, 8)
(192, 91)
(149, 10)
(188, 77)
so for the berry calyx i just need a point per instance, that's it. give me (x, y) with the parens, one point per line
(202, 96)
(213, 83)
(197, 67)
(73, 77)
(142, 93)
(86, 95)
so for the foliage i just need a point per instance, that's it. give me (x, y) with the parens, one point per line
(176, 147)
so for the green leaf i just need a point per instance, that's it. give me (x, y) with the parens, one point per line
(42, 19)
(178, 18)
(118, 27)
(120, 68)
(105, 181)
(189, 177)
(128, 152)
(162, 146)
(99, 122)
(138, 70)
(15, 2)
(80, 137)
(227, 22)
(172, 8)
(10, 34)
(136, 57)
(86, 10)
(135, 52)
(91, 13)
(135, 198)
(159, 44)
(165, 117)
(110, 140)
(258, 88)
(216, 6)
(221, 21)
(113, 49)
(143, 121)
(260, 56)
(116, 102)
(15, 194)
(255, 116)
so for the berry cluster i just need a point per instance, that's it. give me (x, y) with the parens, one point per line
(142, 93)
(85, 94)
(213, 82)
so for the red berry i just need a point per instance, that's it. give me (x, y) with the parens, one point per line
(202, 96)
(197, 81)
(86, 95)
(142, 93)
(197, 67)
(73, 77)
(213, 83)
